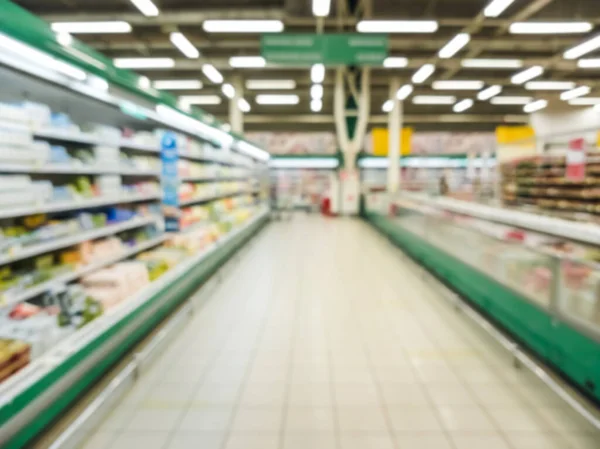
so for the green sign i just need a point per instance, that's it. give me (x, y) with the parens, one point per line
(328, 49)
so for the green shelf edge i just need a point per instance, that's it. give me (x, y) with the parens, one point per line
(572, 354)
(187, 283)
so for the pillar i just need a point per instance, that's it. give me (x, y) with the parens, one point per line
(394, 127)
(236, 116)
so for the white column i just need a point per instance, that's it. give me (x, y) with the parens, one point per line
(394, 127)
(236, 116)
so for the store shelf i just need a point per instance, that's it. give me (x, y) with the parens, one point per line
(212, 178)
(65, 242)
(75, 170)
(205, 199)
(77, 205)
(67, 136)
(8, 300)
(132, 145)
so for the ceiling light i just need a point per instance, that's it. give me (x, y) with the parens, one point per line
(200, 99)
(492, 63)
(496, 7)
(463, 105)
(212, 73)
(64, 39)
(583, 48)
(587, 101)
(143, 82)
(549, 85)
(404, 92)
(387, 106)
(433, 99)
(247, 61)
(277, 99)
(574, 93)
(588, 63)
(316, 105)
(243, 105)
(454, 46)
(490, 92)
(321, 8)
(549, 27)
(243, 26)
(177, 84)
(144, 63)
(316, 91)
(505, 101)
(146, 7)
(535, 106)
(397, 26)
(228, 90)
(91, 27)
(317, 73)
(527, 74)
(458, 85)
(270, 84)
(423, 73)
(395, 62)
(184, 45)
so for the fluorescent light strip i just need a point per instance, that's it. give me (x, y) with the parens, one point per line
(587, 101)
(321, 162)
(574, 93)
(535, 106)
(270, 84)
(267, 99)
(423, 73)
(549, 85)
(492, 63)
(387, 106)
(247, 61)
(317, 73)
(490, 92)
(184, 45)
(458, 85)
(321, 8)
(243, 105)
(395, 62)
(454, 46)
(64, 39)
(549, 27)
(144, 82)
(243, 26)
(510, 101)
(228, 90)
(583, 48)
(316, 91)
(463, 105)
(496, 7)
(91, 27)
(177, 84)
(316, 105)
(404, 92)
(433, 99)
(212, 73)
(200, 99)
(589, 63)
(146, 7)
(397, 26)
(144, 63)
(252, 151)
(527, 74)
(178, 120)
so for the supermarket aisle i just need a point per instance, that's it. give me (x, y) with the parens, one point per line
(323, 338)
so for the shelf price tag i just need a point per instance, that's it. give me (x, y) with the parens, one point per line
(576, 160)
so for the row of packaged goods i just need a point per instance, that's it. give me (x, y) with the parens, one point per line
(23, 190)
(191, 169)
(214, 212)
(189, 191)
(29, 329)
(37, 119)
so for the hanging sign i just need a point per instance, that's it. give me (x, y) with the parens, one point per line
(576, 160)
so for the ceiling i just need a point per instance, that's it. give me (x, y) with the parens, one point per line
(489, 39)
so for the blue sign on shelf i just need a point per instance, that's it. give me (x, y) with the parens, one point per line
(169, 155)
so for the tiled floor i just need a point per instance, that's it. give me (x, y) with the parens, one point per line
(323, 338)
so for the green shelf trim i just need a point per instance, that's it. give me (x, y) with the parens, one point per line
(568, 351)
(171, 297)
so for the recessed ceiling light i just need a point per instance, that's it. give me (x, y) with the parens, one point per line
(270, 84)
(423, 73)
(583, 48)
(589, 63)
(397, 26)
(457, 85)
(577, 92)
(550, 27)
(510, 101)
(316, 105)
(228, 90)
(463, 105)
(535, 106)
(177, 84)
(247, 61)
(527, 74)
(492, 63)
(387, 106)
(490, 92)
(496, 7)
(184, 45)
(91, 27)
(316, 91)
(317, 73)
(586, 101)
(212, 73)
(321, 8)
(549, 85)
(454, 46)
(243, 105)
(144, 63)
(404, 92)
(200, 99)
(394, 62)
(243, 26)
(146, 7)
(267, 99)
(434, 99)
